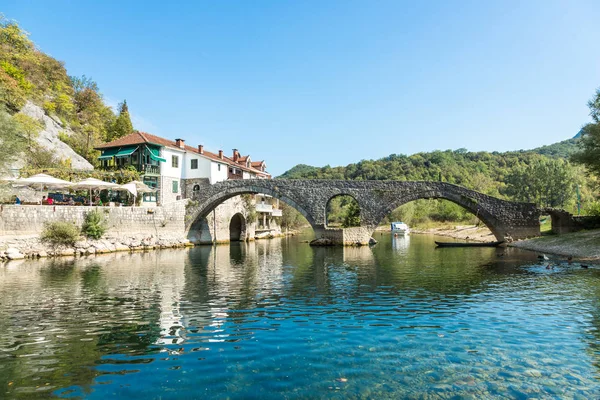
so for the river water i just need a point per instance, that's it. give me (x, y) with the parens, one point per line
(279, 319)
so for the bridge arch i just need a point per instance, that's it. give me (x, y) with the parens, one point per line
(466, 202)
(215, 200)
(353, 202)
(237, 227)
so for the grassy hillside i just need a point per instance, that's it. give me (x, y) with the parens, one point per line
(28, 74)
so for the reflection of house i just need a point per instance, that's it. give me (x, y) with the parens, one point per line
(175, 168)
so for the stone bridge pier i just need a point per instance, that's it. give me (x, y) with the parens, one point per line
(507, 220)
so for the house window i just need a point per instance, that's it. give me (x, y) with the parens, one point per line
(194, 164)
(175, 186)
(218, 167)
(175, 161)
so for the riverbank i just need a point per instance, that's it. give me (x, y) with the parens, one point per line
(30, 246)
(464, 232)
(583, 245)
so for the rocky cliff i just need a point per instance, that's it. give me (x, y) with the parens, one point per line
(48, 138)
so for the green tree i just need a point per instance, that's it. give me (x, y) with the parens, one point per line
(351, 215)
(590, 139)
(122, 125)
(546, 182)
(11, 141)
(29, 126)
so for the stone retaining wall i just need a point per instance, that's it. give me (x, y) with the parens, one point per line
(18, 220)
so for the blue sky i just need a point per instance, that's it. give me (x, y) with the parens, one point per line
(333, 82)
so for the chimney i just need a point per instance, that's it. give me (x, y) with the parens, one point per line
(180, 143)
(221, 154)
(201, 149)
(236, 154)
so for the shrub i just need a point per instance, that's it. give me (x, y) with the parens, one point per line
(59, 234)
(94, 225)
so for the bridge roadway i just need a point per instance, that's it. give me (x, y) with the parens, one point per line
(506, 219)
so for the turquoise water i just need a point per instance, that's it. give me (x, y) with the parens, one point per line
(278, 319)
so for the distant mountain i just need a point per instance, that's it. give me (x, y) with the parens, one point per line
(562, 149)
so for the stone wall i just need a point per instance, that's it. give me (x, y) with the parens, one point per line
(187, 186)
(166, 190)
(29, 220)
(565, 222)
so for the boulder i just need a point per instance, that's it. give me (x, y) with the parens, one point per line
(14, 254)
(322, 242)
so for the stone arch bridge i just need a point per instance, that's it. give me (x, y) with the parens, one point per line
(507, 220)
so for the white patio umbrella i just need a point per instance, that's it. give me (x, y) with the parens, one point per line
(91, 184)
(39, 181)
(135, 187)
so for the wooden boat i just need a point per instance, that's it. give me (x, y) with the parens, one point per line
(470, 244)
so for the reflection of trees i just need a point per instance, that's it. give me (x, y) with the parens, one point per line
(66, 316)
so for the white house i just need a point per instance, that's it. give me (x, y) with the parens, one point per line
(175, 168)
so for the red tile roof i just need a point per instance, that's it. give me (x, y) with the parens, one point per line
(138, 137)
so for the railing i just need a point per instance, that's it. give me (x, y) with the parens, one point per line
(262, 207)
(235, 176)
(150, 169)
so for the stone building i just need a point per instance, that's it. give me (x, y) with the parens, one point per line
(179, 171)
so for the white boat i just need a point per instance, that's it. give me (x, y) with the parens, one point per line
(400, 228)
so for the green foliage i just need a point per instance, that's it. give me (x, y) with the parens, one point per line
(29, 126)
(590, 139)
(11, 140)
(563, 149)
(28, 74)
(352, 215)
(592, 208)
(58, 234)
(17, 74)
(291, 218)
(546, 182)
(122, 125)
(94, 225)
(11, 95)
(40, 158)
(343, 211)
(248, 200)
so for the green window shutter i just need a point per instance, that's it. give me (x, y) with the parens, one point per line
(175, 186)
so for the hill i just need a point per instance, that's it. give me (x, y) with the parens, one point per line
(49, 110)
(513, 175)
(562, 149)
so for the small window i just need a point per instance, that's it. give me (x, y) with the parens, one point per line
(196, 188)
(218, 167)
(175, 185)
(175, 161)
(194, 164)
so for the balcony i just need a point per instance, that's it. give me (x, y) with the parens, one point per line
(265, 208)
(235, 176)
(277, 213)
(150, 169)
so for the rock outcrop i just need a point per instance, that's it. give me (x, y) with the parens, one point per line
(48, 137)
